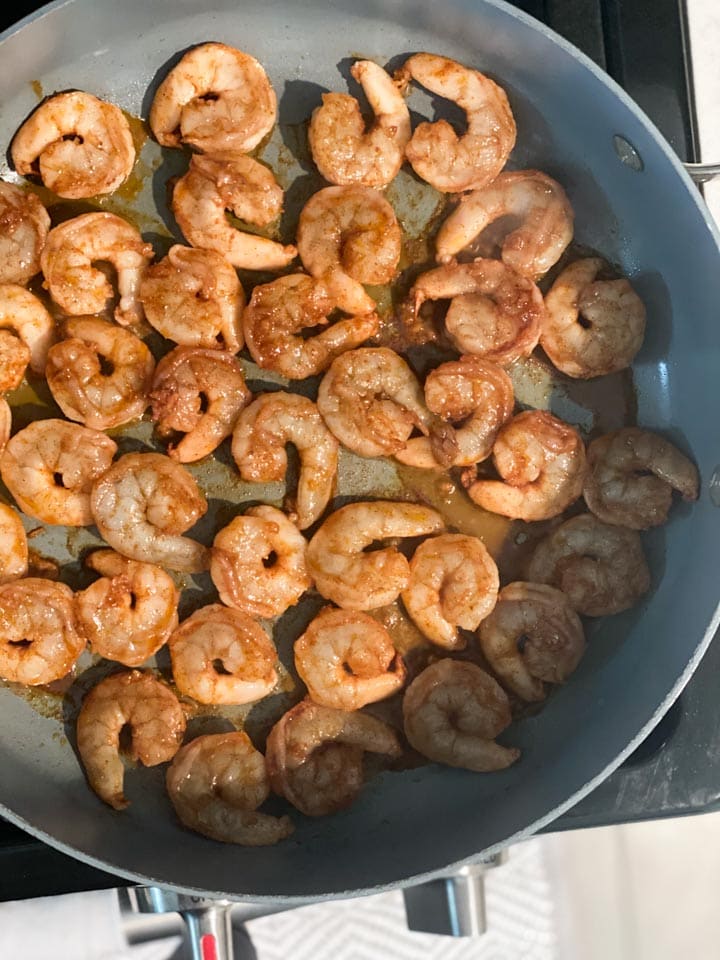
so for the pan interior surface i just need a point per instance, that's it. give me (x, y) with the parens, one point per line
(651, 222)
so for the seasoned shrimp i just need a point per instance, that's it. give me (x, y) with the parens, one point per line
(216, 783)
(100, 374)
(277, 314)
(222, 656)
(448, 162)
(346, 660)
(632, 476)
(348, 236)
(80, 288)
(258, 448)
(142, 505)
(539, 212)
(215, 99)
(129, 699)
(130, 612)
(80, 146)
(542, 464)
(13, 545)
(24, 314)
(194, 297)
(39, 640)
(532, 637)
(14, 359)
(452, 713)
(314, 755)
(50, 467)
(258, 563)
(199, 393)
(24, 225)
(476, 398)
(343, 150)
(600, 568)
(353, 578)
(592, 327)
(213, 185)
(454, 583)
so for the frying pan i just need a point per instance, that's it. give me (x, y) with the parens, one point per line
(633, 202)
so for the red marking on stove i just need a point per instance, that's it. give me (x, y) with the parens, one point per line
(208, 945)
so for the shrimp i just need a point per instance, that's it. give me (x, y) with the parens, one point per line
(542, 464)
(213, 185)
(258, 448)
(347, 659)
(194, 297)
(454, 583)
(130, 612)
(216, 783)
(133, 700)
(632, 476)
(24, 225)
(39, 640)
(215, 99)
(258, 563)
(348, 236)
(142, 505)
(100, 374)
(539, 212)
(24, 314)
(592, 327)
(76, 285)
(452, 713)
(222, 656)
(600, 568)
(199, 393)
(50, 466)
(314, 755)
(79, 145)
(343, 151)
(476, 398)
(345, 572)
(436, 153)
(13, 545)
(532, 637)
(277, 314)
(494, 312)
(14, 359)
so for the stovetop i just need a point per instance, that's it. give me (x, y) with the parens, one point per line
(641, 43)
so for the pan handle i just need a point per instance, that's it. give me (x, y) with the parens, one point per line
(702, 172)
(210, 932)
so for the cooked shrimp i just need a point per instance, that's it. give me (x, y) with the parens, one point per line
(213, 185)
(348, 236)
(142, 505)
(542, 464)
(199, 393)
(448, 162)
(130, 612)
(453, 583)
(24, 225)
(277, 314)
(539, 212)
(194, 297)
(13, 545)
(14, 359)
(452, 713)
(39, 640)
(222, 656)
(343, 150)
(50, 467)
(346, 660)
(24, 314)
(216, 783)
(353, 578)
(80, 146)
(314, 755)
(258, 448)
(258, 563)
(80, 288)
(632, 476)
(600, 568)
(532, 637)
(128, 699)
(215, 99)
